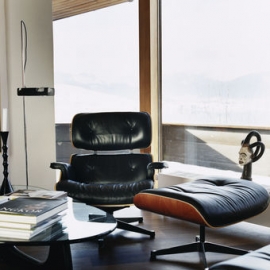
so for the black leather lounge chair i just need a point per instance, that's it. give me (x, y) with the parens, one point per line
(107, 177)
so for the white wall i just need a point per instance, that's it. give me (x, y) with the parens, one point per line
(37, 15)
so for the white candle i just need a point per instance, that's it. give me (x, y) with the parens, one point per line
(4, 120)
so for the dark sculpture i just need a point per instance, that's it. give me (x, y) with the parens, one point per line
(6, 186)
(246, 154)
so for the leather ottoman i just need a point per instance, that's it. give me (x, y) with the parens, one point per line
(209, 202)
(255, 260)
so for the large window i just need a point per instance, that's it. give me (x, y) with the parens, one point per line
(216, 62)
(216, 78)
(215, 74)
(96, 62)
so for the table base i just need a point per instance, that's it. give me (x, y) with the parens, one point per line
(59, 257)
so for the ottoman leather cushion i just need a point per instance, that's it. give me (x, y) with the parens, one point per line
(213, 201)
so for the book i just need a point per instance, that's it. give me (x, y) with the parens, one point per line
(43, 234)
(30, 227)
(48, 194)
(31, 210)
(28, 234)
(39, 193)
(54, 232)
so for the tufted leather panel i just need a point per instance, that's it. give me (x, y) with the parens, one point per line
(213, 202)
(105, 179)
(255, 260)
(111, 131)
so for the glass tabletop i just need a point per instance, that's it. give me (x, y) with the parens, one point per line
(74, 227)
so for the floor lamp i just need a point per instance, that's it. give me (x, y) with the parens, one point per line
(28, 91)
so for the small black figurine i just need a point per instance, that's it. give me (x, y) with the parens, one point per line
(246, 154)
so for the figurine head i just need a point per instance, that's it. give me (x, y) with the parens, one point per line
(245, 155)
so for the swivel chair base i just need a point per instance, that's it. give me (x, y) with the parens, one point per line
(128, 227)
(123, 223)
(201, 246)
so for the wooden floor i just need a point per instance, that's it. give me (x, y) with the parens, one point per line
(131, 251)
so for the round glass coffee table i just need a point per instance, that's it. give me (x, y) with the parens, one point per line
(75, 228)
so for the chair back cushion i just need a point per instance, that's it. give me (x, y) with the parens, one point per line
(106, 169)
(110, 131)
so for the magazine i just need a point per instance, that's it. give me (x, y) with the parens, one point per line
(39, 193)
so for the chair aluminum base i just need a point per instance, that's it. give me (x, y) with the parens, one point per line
(200, 246)
(123, 223)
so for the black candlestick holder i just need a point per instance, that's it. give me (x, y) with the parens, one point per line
(6, 187)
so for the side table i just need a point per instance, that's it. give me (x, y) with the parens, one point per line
(59, 253)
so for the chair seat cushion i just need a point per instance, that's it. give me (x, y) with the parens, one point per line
(258, 259)
(213, 201)
(104, 194)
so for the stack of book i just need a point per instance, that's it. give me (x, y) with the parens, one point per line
(25, 217)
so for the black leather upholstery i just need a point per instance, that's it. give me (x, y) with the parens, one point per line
(111, 131)
(217, 201)
(107, 179)
(255, 260)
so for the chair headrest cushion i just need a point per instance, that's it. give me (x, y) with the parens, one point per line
(108, 131)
